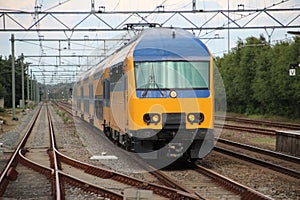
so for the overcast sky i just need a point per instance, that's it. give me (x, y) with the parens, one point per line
(218, 47)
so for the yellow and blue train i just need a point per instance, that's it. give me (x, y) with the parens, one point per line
(153, 96)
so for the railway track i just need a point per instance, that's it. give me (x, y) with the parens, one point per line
(262, 131)
(59, 177)
(209, 184)
(261, 161)
(224, 184)
(286, 125)
(53, 173)
(9, 173)
(243, 191)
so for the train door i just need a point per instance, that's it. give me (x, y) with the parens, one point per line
(118, 108)
(125, 100)
(106, 102)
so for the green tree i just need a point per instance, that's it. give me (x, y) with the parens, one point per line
(6, 80)
(256, 77)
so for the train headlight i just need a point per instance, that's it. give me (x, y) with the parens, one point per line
(191, 117)
(151, 118)
(173, 94)
(155, 118)
(195, 118)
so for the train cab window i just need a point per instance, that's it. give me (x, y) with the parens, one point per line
(172, 74)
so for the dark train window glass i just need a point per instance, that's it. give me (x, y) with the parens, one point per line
(172, 74)
(106, 92)
(116, 73)
(99, 109)
(81, 92)
(79, 104)
(91, 92)
(86, 106)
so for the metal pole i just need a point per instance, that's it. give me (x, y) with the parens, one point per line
(23, 92)
(37, 92)
(13, 77)
(45, 89)
(228, 28)
(34, 89)
(31, 86)
(28, 85)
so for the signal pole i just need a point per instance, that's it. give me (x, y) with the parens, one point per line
(23, 92)
(13, 77)
(31, 85)
(28, 85)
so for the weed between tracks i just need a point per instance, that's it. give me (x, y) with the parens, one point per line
(75, 134)
(62, 115)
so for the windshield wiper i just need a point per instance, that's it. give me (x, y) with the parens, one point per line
(152, 82)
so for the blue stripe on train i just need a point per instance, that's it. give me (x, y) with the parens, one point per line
(180, 93)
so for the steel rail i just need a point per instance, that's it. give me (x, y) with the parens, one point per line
(169, 182)
(237, 188)
(12, 163)
(261, 151)
(274, 167)
(88, 187)
(108, 174)
(244, 191)
(247, 129)
(261, 122)
(160, 175)
(47, 171)
(59, 192)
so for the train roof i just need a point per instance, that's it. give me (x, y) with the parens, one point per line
(158, 44)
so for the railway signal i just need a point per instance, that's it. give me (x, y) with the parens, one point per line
(292, 70)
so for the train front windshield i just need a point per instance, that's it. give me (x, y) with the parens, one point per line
(172, 74)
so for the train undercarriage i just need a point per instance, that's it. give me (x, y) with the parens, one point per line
(165, 143)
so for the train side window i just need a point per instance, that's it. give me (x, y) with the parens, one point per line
(86, 106)
(79, 104)
(81, 92)
(106, 91)
(99, 109)
(91, 91)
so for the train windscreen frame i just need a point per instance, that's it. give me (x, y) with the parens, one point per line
(172, 74)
